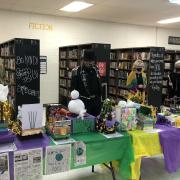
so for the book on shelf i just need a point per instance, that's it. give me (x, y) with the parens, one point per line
(112, 90)
(63, 54)
(113, 65)
(125, 55)
(72, 64)
(112, 56)
(123, 92)
(122, 74)
(141, 55)
(125, 65)
(112, 82)
(62, 64)
(8, 50)
(167, 66)
(168, 57)
(112, 73)
(62, 73)
(62, 82)
(121, 83)
(73, 53)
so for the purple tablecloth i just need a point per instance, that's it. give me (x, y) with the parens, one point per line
(7, 138)
(170, 142)
(31, 143)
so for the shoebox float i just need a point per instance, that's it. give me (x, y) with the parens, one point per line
(135, 116)
(61, 123)
(168, 117)
(29, 120)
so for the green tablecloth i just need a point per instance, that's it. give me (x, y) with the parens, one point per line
(99, 150)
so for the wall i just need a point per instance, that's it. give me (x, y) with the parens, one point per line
(67, 31)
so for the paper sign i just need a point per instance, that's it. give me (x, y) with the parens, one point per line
(28, 164)
(153, 131)
(58, 159)
(114, 135)
(4, 166)
(6, 147)
(63, 141)
(32, 116)
(79, 153)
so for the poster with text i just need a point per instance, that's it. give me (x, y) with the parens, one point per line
(79, 153)
(4, 166)
(58, 159)
(28, 164)
(102, 68)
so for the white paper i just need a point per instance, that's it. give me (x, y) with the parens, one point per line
(79, 153)
(63, 141)
(153, 130)
(28, 164)
(58, 159)
(7, 147)
(32, 116)
(4, 166)
(114, 135)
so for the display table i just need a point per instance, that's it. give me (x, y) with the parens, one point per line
(99, 150)
(170, 142)
(149, 144)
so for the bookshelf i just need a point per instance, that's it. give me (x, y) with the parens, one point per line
(70, 57)
(20, 70)
(121, 61)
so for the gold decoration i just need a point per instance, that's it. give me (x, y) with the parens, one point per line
(6, 111)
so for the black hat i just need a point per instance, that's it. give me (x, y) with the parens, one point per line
(88, 55)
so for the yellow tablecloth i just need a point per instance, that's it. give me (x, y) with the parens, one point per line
(144, 144)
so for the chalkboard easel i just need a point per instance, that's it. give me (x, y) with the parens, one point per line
(155, 77)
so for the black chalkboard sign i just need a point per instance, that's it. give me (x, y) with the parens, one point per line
(155, 78)
(27, 71)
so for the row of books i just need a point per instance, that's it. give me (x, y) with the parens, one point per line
(64, 92)
(10, 77)
(118, 92)
(8, 50)
(10, 63)
(65, 83)
(130, 55)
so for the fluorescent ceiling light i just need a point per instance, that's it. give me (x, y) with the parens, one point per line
(76, 6)
(175, 1)
(171, 20)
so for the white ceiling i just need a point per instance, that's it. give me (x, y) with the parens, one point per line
(140, 12)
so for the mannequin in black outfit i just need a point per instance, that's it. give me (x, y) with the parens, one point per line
(86, 80)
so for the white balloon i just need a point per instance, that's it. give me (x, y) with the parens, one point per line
(3, 93)
(74, 94)
(76, 106)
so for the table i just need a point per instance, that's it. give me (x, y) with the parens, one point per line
(98, 150)
(101, 150)
(170, 142)
(145, 145)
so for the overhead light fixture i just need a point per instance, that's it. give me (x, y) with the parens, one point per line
(169, 21)
(175, 1)
(76, 6)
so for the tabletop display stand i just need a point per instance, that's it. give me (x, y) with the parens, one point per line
(70, 57)
(121, 61)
